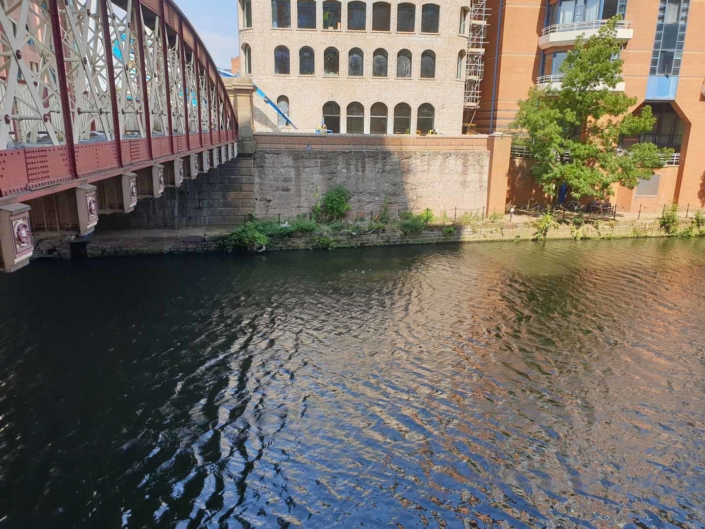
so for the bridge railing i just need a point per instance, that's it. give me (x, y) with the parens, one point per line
(92, 88)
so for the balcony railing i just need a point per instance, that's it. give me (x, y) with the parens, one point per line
(674, 160)
(583, 26)
(549, 79)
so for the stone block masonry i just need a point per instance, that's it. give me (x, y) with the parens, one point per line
(222, 197)
(289, 183)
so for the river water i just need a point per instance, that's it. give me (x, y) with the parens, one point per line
(485, 385)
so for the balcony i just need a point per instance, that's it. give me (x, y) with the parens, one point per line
(565, 34)
(556, 82)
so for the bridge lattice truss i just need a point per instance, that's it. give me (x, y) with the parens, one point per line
(92, 88)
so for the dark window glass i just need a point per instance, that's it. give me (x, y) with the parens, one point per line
(428, 65)
(281, 60)
(402, 119)
(246, 51)
(331, 116)
(246, 13)
(378, 119)
(281, 14)
(406, 17)
(283, 104)
(357, 15)
(463, 18)
(355, 119)
(331, 15)
(609, 9)
(670, 37)
(460, 72)
(381, 12)
(665, 62)
(306, 13)
(429, 18)
(331, 62)
(379, 64)
(307, 61)
(356, 61)
(424, 120)
(404, 63)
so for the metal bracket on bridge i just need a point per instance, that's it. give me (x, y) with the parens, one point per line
(215, 156)
(174, 173)
(129, 192)
(204, 158)
(15, 236)
(87, 206)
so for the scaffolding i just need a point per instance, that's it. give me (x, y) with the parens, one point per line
(474, 58)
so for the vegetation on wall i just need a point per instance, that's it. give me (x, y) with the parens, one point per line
(574, 133)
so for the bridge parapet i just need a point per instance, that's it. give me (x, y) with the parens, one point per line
(91, 90)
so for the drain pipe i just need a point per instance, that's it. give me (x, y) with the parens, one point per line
(496, 61)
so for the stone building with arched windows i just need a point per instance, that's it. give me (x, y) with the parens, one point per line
(361, 67)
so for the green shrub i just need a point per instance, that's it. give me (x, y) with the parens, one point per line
(406, 215)
(496, 215)
(544, 224)
(303, 225)
(426, 216)
(247, 237)
(687, 233)
(413, 225)
(699, 219)
(669, 220)
(468, 218)
(578, 220)
(324, 243)
(448, 231)
(334, 204)
(384, 212)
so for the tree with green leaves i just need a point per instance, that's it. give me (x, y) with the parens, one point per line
(574, 132)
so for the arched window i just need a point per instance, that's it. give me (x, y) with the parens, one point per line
(281, 14)
(246, 13)
(460, 73)
(402, 119)
(381, 15)
(306, 14)
(406, 17)
(404, 64)
(247, 59)
(430, 14)
(463, 20)
(331, 15)
(378, 119)
(424, 119)
(357, 16)
(356, 119)
(281, 60)
(307, 61)
(428, 65)
(331, 62)
(283, 104)
(356, 61)
(331, 116)
(379, 63)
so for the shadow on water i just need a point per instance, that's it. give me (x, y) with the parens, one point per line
(498, 385)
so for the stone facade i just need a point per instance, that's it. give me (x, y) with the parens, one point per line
(307, 94)
(290, 182)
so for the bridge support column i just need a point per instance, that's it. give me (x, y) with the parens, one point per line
(150, 182)
(240, 91)
(15, 236)
(87, 206)
(204, 164)
(215, 156)
(192, 166)
(174, 173)
(129, 192)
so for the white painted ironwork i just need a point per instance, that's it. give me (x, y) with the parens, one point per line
(154, 72)
(127, 67)
(86, 70)
(673, 160)
(191, 85)
(31, 103)
(176, 89)
(205, 107)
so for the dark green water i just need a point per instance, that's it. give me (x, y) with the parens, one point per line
(497, 385)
